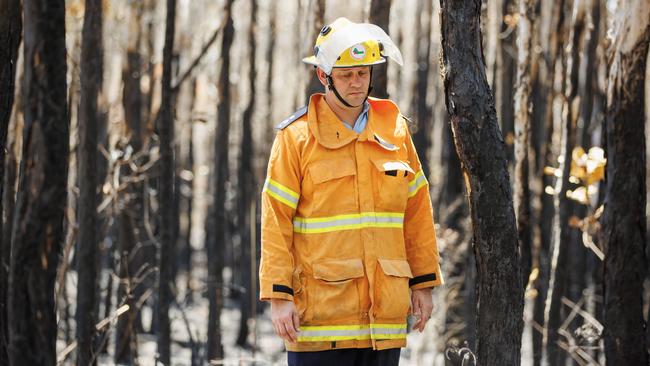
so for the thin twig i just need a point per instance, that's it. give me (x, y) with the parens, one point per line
(585, 315)
(196, 61)
(99, 326)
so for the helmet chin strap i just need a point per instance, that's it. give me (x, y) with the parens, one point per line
(330, 85)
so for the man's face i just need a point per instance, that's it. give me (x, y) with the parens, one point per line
(352, 83)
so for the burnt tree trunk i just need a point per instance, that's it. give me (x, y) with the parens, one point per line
(624, 220)
(269, 135)
(422, 135)
(125, 341)
(10, 35)
(505, 75)
(380, 16)
(166, 191)
(187, 193)
(132, 95)
(246, 185)
(8, 200)
(216, 246)
(129, 211)
(314, 85)
(38, 223)
(522, 135)
(562, 236)
(483, 157)
(549, 34)
(87, 244)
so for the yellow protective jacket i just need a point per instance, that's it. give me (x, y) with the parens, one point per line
(347, 227)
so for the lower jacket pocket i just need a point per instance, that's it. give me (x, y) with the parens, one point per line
(333, 289)
(392, 295)
(299, 293)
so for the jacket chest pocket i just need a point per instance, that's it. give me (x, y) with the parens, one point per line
(333, 289)
(333, 188)
(391, 184)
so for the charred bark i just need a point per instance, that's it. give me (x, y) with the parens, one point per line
(422, 135)
(187, 195)
(564, 207)
(268, 87)
(38, 223)
(319, 18)
(549, 33)
(483, 156)
(219, 216)
(246, 183)
(10, 35)
(624, 220)
(129, 212)
(522, 135)
(166, 190)
(380, 16)
(87, 244)
(505, 75)
(125, 341)
(8, 200)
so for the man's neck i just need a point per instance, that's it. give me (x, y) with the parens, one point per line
(346, 115)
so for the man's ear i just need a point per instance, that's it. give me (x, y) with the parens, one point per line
(321, 76)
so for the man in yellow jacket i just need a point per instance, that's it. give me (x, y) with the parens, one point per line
(348, 239)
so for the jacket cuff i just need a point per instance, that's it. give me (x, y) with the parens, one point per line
(425, 281)
(278, 291)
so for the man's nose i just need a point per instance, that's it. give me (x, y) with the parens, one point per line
(356, 79)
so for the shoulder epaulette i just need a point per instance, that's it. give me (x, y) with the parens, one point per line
(294, 116)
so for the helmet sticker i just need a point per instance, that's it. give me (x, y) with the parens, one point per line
(358, 52)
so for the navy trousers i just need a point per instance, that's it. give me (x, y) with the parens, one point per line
(346, 357)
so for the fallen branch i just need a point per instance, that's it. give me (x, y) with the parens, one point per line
(99, 326)
(584, 314)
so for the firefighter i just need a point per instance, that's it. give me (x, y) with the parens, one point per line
(348, 239)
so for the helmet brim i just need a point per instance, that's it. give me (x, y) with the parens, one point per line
(312, 60)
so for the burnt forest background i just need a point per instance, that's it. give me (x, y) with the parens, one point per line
(135, 135)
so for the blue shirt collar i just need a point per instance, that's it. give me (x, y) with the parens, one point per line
(362, 120)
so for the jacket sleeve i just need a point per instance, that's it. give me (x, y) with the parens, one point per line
(279, 201)
(419, 230)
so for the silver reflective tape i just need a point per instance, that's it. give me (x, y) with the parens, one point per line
(270, 187)
(417, 182)
(335, 333)
(361, 220)
(390, 331)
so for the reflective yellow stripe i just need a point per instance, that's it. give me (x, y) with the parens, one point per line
(388, 336)
(351, 332)
(348, 222)
(281, 193)
(418, 182)
(389, 326)
(335, 327)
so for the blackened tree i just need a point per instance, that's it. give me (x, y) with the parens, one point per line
(87, 244)
(41, 198)
(166, 190)
(218, 217)
(10, 35)
(624, 220)
(482, 153)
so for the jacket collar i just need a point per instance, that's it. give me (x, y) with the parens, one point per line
(326, 126)
(386, 126)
